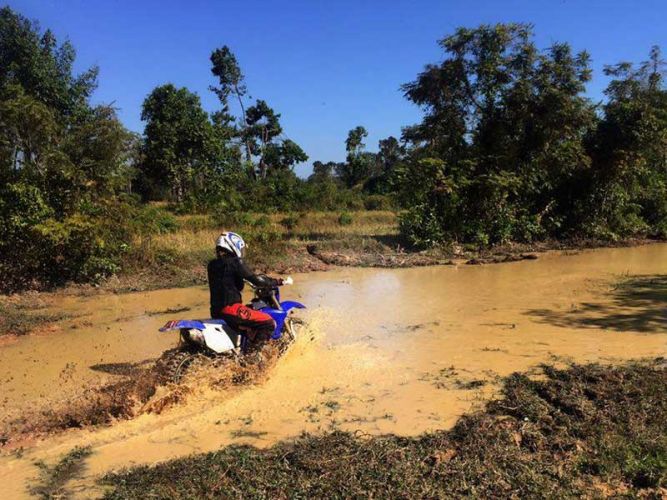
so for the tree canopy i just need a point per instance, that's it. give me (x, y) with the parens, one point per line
(507, 142)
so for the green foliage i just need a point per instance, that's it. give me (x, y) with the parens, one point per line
(64, 165)
(510, 150)
(38, 247)
(227, 69)
(154, 220)
(35, 62)
(378, 202)
(629, 174)
(360, 164)
(178, 141)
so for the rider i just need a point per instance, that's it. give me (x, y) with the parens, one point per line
(226, 274)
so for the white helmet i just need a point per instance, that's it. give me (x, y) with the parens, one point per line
(231, 242)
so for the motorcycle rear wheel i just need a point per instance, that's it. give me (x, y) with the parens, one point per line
(179, 363)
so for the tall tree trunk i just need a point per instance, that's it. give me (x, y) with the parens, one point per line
(247, 143)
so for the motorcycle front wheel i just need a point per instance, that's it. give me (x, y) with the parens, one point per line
(292, 326)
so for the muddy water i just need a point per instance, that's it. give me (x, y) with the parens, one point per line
(401, 351)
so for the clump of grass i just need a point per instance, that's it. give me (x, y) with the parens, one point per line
(53, 479)
(169, 310)
(289, 222)
(345, 219)
(470, 384)
(245, 433)
(586, 430)
(22, 316)
(332, 404)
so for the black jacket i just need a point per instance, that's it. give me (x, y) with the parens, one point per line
(225, 281)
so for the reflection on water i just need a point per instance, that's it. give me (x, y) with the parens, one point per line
(401, 351)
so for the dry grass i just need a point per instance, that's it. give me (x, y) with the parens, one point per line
(198, 232)
(276, 243)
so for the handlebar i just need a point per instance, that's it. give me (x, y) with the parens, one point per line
(284, 281)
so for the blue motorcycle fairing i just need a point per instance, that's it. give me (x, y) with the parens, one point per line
(280, 316)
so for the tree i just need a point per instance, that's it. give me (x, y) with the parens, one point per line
(259, 125)
(262, 127)
(390, 154)
(63, 163)
(178, 139)
(507, 122)
(231, 81)
(50, 135)
(283, 156)
(360, 164)
(354, 142)
(629, 184)
(323, 172)
(41, 67)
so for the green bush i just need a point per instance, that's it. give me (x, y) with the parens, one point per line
(345, 219)
(421, 227)
(261, 221)
(233, 219)
(154, 220)
(39, 249)
(377, 202)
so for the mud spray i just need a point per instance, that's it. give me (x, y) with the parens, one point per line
(387, 351)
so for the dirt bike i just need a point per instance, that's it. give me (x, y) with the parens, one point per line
(213, 338)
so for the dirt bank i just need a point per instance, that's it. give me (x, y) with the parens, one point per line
(323, 252)
(586, 430)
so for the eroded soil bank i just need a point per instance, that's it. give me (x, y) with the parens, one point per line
(399, 351)
(591, 430)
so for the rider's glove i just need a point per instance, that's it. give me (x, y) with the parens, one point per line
(287, 281)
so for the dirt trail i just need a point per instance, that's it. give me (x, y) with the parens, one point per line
(387, 351)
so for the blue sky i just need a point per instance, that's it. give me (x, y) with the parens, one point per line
(326, 66)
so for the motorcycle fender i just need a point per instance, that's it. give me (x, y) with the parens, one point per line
(280, 316)
(182, 324)
(291, 304)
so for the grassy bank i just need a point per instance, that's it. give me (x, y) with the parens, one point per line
(282, 243)
(585, 430)
(277, 243)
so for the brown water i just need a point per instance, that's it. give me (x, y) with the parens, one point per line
(387, 351)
